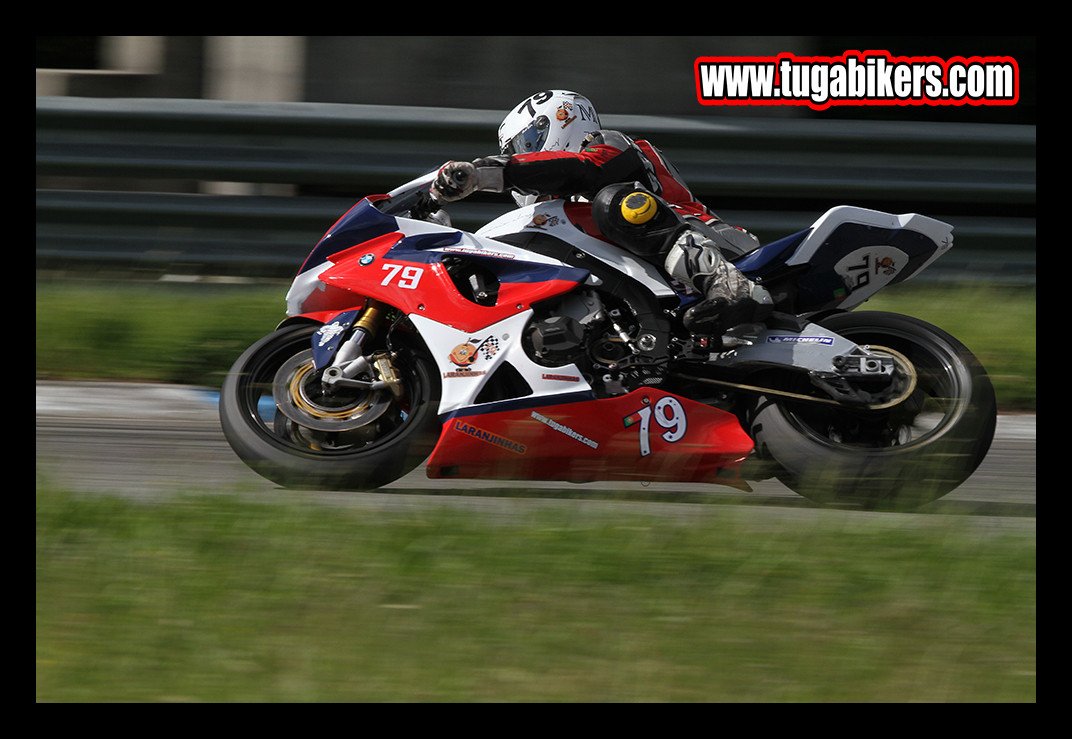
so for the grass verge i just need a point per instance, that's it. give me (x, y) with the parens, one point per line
(220, 599)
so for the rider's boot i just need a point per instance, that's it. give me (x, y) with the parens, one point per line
(730, 299)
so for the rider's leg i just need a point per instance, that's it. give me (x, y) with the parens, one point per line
(729, 298)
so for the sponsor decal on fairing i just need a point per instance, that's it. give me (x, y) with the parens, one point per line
(464, 355)
(563, 429)
(491, 438)
(800, 340)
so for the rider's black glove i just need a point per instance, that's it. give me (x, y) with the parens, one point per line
(457, 180)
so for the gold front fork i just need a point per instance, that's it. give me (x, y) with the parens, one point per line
(370, 320)
(352, 360)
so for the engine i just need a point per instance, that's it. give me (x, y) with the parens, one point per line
(610, 346)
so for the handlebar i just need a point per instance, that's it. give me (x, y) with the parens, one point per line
(414, 197)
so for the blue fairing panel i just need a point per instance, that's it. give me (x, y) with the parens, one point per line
(360, 224)
(761, 261)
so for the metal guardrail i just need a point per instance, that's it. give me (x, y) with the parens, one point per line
(120, 182)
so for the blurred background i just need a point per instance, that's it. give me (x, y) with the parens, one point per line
(649, 75)
(232, 154)
(174, 171)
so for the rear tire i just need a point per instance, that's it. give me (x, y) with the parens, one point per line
(364, 457)
(896, 458)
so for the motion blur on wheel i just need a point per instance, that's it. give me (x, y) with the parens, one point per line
(298, 425)
(919, 436)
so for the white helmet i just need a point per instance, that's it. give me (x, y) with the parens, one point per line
(552, 120)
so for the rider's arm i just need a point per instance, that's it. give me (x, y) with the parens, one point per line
(566, 173)
(558, 173)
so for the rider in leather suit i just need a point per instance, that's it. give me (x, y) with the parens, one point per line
(552, 144)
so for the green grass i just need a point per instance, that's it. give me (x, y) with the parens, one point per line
(190, 334)
(153, 332)
(222, 599)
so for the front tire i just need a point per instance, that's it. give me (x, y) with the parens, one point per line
(895, 458)
(346, 442)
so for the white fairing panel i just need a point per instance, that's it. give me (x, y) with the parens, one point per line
(939, 232)
(550, 218)
(466, 361)
(870, 267)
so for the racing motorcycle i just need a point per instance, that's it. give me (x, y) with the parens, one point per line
(537, 348)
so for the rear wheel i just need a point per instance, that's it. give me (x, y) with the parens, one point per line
(289, 427)
(900, 456)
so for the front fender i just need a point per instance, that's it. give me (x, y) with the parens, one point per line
(334, 327)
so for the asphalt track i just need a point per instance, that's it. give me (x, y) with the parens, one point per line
(148, 441)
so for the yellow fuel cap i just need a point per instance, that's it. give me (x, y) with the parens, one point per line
(638, 207)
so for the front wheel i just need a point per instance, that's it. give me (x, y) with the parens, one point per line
(900, 456)
(281, 420)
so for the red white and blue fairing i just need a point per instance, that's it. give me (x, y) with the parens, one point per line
(562, 428)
